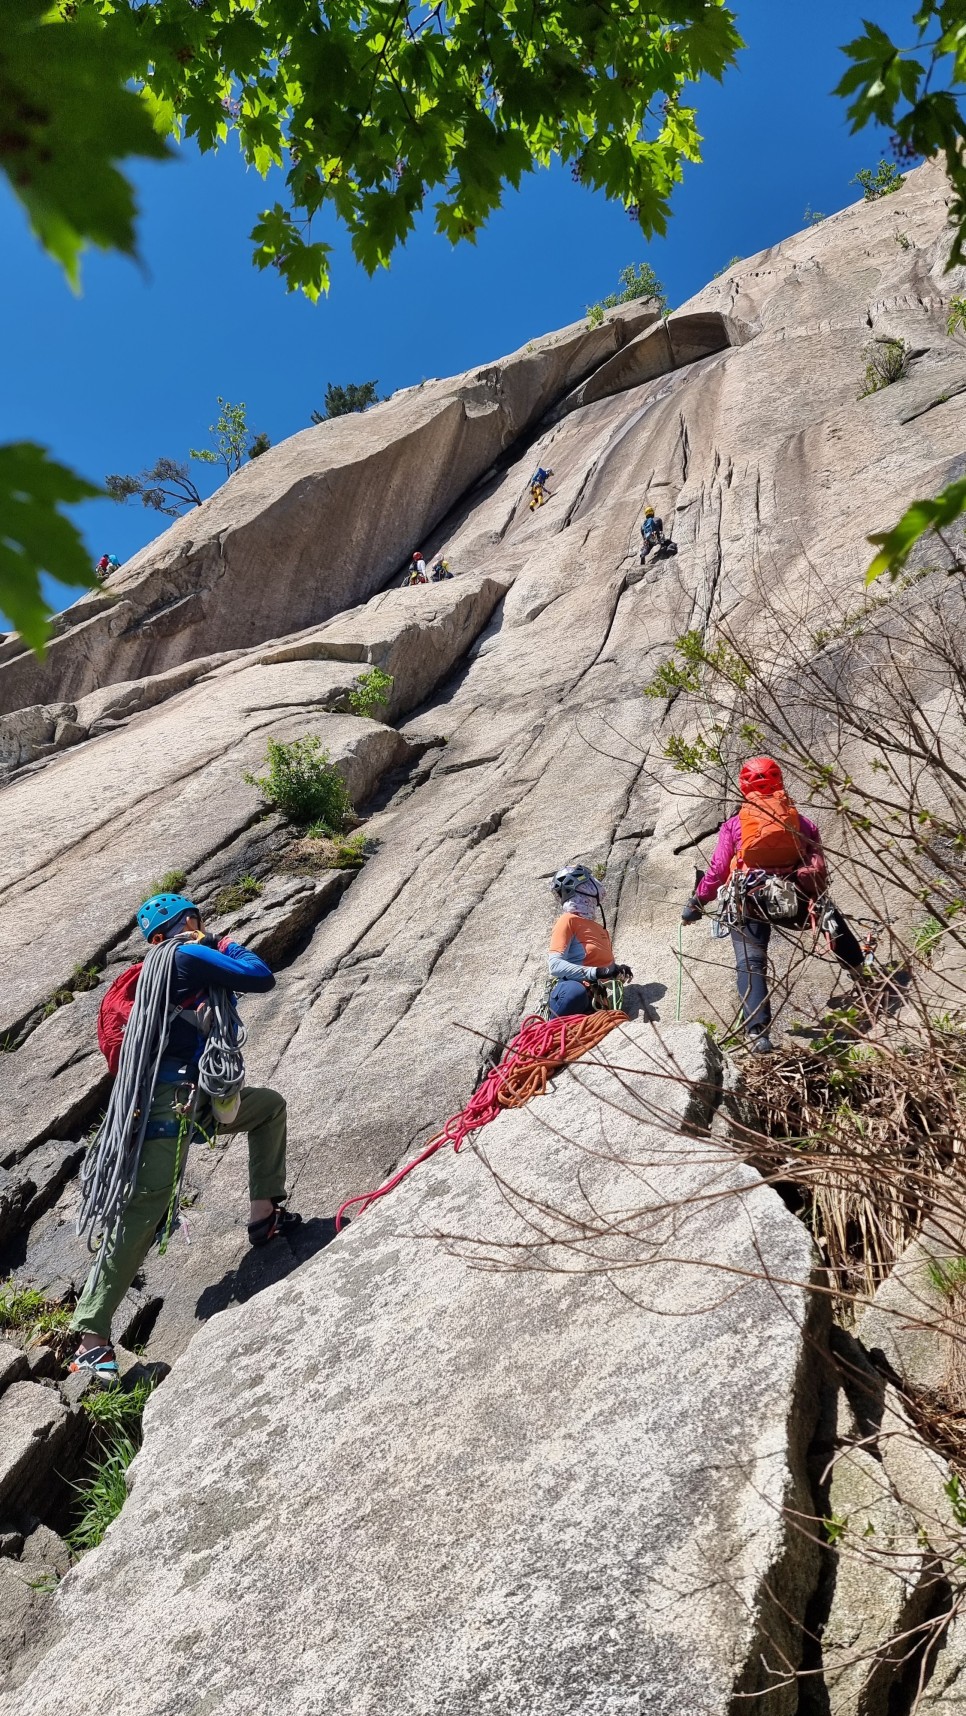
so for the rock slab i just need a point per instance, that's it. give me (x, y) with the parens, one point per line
(401, 1482)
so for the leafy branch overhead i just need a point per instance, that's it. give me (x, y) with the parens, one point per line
(374, 113)
(916, 94)
(36, 538)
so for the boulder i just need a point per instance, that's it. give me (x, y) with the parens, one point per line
(54, 1086)
(13, 1364)
(21, 1604)
(34, 1431)
(505, 1487)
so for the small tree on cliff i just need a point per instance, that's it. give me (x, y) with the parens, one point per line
(339, 401)
(168, 486)
(637, 280)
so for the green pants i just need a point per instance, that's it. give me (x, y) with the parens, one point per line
(261, 1114)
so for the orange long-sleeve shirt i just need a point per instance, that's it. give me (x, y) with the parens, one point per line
(578, 945)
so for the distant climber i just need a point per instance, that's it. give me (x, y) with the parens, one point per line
(581, 953)
(417, 568)
(768, 867)
(538, 486)
(107, 563)
(180, 1016)
(653, 537)
(440, 571)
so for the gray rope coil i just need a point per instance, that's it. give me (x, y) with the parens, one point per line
(221, 1070)
(110, 1168)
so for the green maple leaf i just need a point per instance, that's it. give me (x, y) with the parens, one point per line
(35, 537)
(67, 118)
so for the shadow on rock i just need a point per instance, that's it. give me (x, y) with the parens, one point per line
(640, 1000)
(263, 1267)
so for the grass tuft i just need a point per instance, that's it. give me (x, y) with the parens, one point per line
(102, 1495)
(235, 895)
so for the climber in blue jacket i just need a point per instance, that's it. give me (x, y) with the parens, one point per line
(200, 964)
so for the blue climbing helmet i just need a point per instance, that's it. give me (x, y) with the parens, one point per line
(162, 912)
(575, 879)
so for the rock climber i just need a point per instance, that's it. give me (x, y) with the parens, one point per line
(200, 962)
(652, 533)
(103, 566)
(581, 953)
(538, 485)
(767, 837)
(440, 571)
(417, 568)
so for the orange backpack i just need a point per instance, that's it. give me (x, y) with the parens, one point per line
(769, 833)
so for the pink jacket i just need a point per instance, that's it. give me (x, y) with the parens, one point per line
(729, 840)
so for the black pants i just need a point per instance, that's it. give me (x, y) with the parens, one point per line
(750, 942)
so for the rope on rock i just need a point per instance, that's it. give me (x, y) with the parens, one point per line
(539, 1049)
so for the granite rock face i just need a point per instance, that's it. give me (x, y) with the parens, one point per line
(400, 1481)
(516, 738)
(318, 523)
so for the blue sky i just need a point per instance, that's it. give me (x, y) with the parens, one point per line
(131, 369)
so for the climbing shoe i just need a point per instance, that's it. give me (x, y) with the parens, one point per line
(281, 1220)
(761, 1045)
(99, 1363)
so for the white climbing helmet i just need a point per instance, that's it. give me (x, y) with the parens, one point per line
(575, 879)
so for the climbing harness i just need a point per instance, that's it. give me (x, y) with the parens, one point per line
(756, 893)
(110, 1168)
(539, 1049)
(606, 995)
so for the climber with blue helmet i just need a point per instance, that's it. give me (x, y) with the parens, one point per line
(581, 953)
(202, 969)
(538, 485)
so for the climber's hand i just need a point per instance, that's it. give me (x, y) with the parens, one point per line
(691, 913)
(625, 973)
(604, 972)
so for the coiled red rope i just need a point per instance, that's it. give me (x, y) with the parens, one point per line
(539, 1049)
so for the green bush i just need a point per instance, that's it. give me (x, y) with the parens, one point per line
(956, 319)
(638, 280)
(878, 181)
(886, 361)
(303, 784)
(370, 692)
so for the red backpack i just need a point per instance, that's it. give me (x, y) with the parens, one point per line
(770, 838)
(113, 1015)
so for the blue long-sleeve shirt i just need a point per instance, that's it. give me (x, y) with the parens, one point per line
(198, 969)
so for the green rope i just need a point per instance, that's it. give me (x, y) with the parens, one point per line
(677, 1015)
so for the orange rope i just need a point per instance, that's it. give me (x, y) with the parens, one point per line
(539, 1049)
